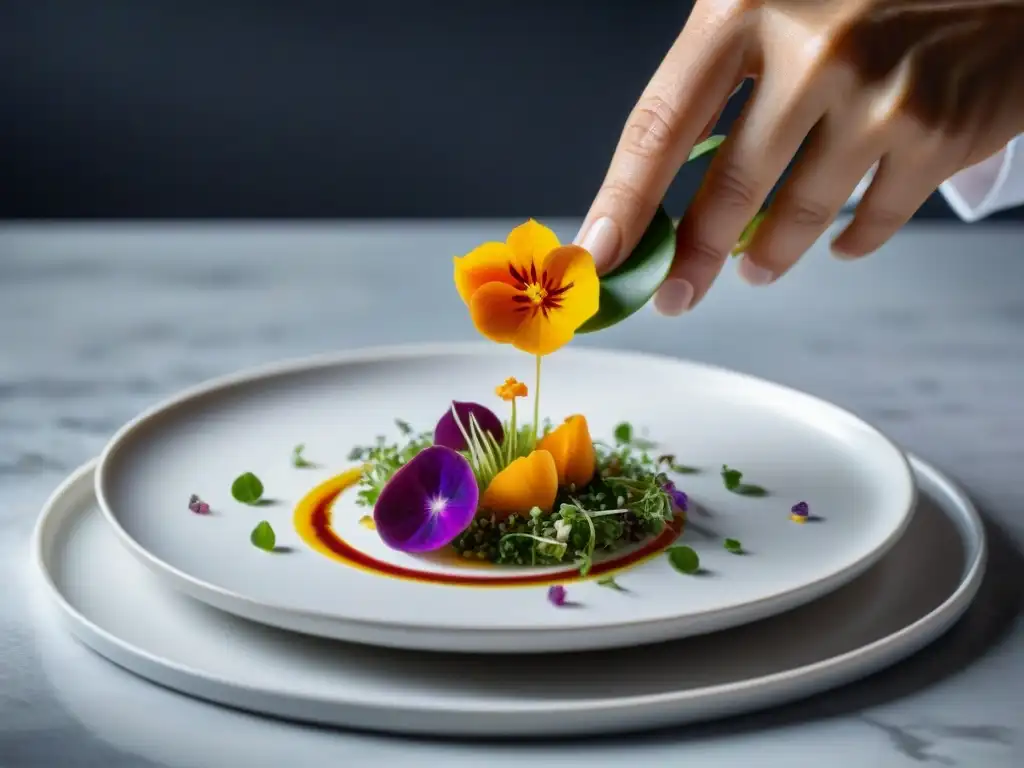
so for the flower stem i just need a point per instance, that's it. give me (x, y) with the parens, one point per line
(536, 405)
(512, 452)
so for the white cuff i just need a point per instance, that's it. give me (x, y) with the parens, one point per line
(991, 186)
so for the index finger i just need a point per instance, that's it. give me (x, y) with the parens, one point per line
(694, 79)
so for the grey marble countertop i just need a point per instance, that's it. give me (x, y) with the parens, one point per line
(925, 339)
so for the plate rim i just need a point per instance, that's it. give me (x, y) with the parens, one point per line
(73, 493)
(252, 608)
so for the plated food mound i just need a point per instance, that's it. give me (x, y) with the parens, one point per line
(512, 494)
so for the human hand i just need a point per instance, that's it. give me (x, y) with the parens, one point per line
(922, 88)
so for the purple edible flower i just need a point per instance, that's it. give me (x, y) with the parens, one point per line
(800, 509)
(679, 499)
(557, 595)
(448, 434)
(197, 505)
(428, 502)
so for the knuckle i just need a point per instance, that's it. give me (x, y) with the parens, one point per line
(703, 254)
(732, 187)
(623, 196)
(879, 218)
(805, 212)
(651, 129)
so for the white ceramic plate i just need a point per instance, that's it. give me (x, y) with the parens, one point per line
(115, 606)
(796, 446)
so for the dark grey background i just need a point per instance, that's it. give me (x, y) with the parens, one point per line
(210, 108)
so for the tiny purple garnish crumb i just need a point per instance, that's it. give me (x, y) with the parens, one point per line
(800, 512)
(197, 505)
(557, 595)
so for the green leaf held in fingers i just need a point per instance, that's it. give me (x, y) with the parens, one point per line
(631, 285)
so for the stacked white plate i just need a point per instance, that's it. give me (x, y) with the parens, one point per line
(333, 627)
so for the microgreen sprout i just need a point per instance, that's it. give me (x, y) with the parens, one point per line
(734, 546)
(610, 583)
(298, 460)
(732, 478)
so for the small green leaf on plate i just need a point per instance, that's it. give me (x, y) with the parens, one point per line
(628, 287)
(298, 460)
(734, 546)
(710, 144)
(731, 477)
(262, 537)
(247, 488)
(624, 433)
(403, 426)
(684, 559)
(611, 583)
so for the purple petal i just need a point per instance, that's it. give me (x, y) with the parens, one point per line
(428, 502)
(679, 498)
(448, 434)
(800, 508)
(557, 595)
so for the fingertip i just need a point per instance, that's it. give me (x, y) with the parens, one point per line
(602, 238)
(753, 273)
(674, 297)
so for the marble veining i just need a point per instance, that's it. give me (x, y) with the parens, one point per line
(97, 322)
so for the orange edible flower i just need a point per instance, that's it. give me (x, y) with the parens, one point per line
(528, 482)
(530, 291)
(511, 389)
(573, 451)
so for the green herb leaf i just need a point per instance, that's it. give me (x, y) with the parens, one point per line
(611, 583)
(403, 426)
(262, 537)
(682, 469)
(734, 546)
(628, 287)
(298, 460)
(624, 433)
(747, 236)
(748, 489)
(731, 477)
(684, 559)
(710, 144)
(247, 488)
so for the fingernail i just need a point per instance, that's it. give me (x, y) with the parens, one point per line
(603, 240)
(753, 274)
(845, 255)
(673, 297)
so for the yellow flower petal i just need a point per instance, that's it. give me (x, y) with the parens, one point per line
(486, 264)
(528, 482)
(572, 448)
(496, 313)
(532, 242)
(540, 335)
(572, 265)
